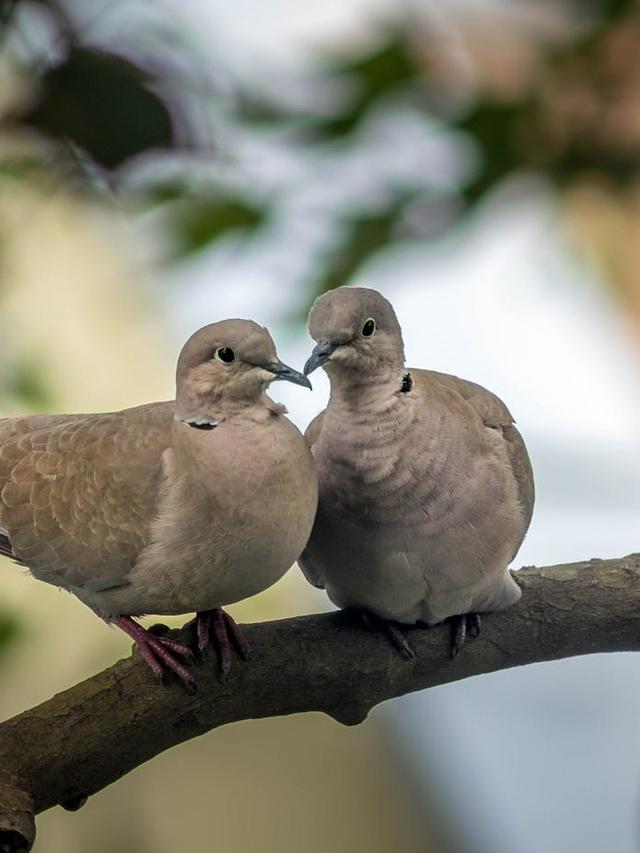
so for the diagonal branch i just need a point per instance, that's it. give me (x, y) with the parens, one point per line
(92, 734)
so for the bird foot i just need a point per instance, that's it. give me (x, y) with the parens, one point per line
(393, 632)
(216, 627)
(160, 652)
(467, 624)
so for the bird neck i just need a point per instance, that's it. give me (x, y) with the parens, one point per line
(366, 392)
(212, 409)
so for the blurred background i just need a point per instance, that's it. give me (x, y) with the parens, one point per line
(167, 165)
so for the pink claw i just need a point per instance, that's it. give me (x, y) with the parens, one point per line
(159, 652)
(225, 631)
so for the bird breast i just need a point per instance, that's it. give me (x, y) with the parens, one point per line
(417, 509)
(409, 467)
(368, 466)
(228, 526)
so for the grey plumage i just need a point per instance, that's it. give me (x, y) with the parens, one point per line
(426, 489)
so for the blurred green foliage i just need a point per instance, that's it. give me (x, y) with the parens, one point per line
(103, 102)
(385, 70)
(363, 234)
(24, 382)
(9, 632)
(199, 222)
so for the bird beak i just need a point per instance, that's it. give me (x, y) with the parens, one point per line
(321, 353)
(288, 374)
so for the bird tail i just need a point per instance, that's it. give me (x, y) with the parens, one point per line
(508, 594)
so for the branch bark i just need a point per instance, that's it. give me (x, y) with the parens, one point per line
(84, 739)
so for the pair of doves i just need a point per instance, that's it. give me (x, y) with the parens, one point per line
(407, 498)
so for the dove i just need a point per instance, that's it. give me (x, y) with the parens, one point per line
(425, 486)
(167, 508)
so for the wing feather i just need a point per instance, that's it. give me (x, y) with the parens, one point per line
(78, 492)
(496, 415)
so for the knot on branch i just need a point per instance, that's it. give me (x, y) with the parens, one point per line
(350, 714)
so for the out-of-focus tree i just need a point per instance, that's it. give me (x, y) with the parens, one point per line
(112, 97)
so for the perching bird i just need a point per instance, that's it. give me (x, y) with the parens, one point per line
(426, 489)
(170, 507)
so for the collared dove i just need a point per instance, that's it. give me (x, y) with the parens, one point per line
(425, 486)
(169, 507)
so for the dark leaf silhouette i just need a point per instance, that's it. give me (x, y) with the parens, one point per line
(103, 104)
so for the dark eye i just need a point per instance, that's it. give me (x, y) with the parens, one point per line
(368, 328)
(225, 354)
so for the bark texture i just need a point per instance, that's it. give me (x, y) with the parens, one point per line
(89, 736)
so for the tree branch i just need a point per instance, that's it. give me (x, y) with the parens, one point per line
(92, 734)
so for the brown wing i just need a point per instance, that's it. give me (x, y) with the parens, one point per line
(495, 414)
(78, 492)
(491, 409)
(522, 471)
(14, 428)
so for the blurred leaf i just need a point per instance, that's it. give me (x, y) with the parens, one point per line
(166, 191)
(26, 384)
(101, 103)
(375, 75)
(494, 128)
(608, 10)
(382, 69)
(7, 8)
(20, 168)
(198, 223)
(257, 108)
(9, 631)
(364, 236)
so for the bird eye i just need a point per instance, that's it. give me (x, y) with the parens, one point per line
(225, 354)
(368, 328)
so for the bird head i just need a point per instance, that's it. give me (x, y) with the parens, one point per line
(356, 331)
(231, 362)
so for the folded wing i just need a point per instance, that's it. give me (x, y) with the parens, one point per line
(496, 415)
(78, 492)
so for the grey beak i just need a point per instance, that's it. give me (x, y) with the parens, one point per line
(288, 374)
(320, 354)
